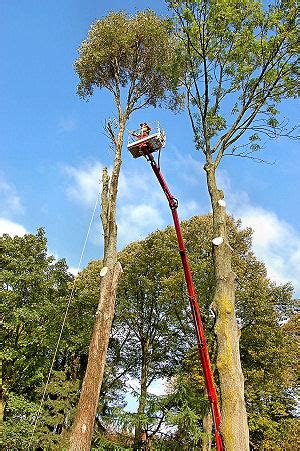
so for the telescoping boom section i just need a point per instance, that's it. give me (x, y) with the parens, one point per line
(144, 147)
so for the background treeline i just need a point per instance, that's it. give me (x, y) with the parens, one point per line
(152, 339)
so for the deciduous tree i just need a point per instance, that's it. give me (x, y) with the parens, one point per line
(241, 62)
(125, 55)
(34, 291)
(146, 315)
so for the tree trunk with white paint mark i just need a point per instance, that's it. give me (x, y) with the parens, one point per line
(234, 426)
(85, 416)
(83, 427)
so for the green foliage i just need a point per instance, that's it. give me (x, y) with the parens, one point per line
(153, 290)
(34, 290)
(152, 320)
(58, 410)
(35, 287)
(20, 414)
(187, 407)
(137, 52)
(143, 309)
(54, 418)
(267, 352)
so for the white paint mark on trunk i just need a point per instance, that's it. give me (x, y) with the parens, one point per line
(218, 240)
(222, 203)
(103, 271)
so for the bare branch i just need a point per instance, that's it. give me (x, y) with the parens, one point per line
(245, 155)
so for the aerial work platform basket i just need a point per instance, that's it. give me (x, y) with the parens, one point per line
(154, 139)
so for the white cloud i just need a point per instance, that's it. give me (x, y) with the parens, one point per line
(10, 205)
(275, 242)
(139, 185)
(11, 228)
(10, 201)
(141, 205)
(139, 200)
(73, 270)
(136, 221)
(84, 184)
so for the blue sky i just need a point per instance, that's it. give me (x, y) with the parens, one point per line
(53, 148)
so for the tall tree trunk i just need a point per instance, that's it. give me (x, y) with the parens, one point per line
(82, 430)
(234, 425)
(140, 439)
(83, 427)
(208, 430)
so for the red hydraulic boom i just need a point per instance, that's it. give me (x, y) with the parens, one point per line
(146, 151)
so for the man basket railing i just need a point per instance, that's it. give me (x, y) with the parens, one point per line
(154, 138)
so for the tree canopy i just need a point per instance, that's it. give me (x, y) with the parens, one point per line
(133, 52)
(241, 62)
(152, 291)
(35, 290)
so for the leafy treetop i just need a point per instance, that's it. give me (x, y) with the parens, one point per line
(129, 51)
(245, 53)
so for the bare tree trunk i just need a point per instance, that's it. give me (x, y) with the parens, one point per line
(140, 439)
(82, 430)
(85, 416)
(208, 430)
(234, 425)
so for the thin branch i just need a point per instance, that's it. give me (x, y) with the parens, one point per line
(158, 426)
(247, 155)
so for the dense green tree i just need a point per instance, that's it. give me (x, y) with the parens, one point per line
(151, 305)
(34, 290)
(153, 290)
(145, 314)
(128, 56)
(241, 62)
(268, 350)
(269, 361)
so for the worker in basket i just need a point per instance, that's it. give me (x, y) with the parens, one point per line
(143, 132)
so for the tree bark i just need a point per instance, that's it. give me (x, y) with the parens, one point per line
(82, 430)
(83, 427)
(234, 425)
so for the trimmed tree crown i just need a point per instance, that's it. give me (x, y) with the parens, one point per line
(129, 51)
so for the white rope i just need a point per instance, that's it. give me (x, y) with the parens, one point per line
(63, 323)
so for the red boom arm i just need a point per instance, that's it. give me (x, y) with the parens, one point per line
(202, 346)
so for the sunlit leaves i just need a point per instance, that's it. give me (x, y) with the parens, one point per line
(137, 52)
(35, 287)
